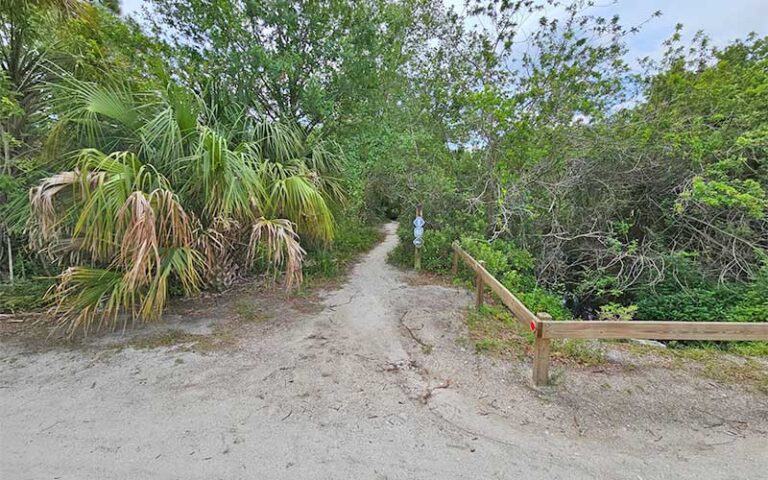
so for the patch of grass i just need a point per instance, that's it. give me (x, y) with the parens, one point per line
(494, 329)
(583, 352)
(248, 312)
(164, 339)
(705, 350)
(742, 349)
(749, 373)
(221, 337)
(749, 349)
(726, 367)
(488, 344)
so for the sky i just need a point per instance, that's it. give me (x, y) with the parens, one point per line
(722, 20)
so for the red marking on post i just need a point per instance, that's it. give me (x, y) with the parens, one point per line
(533, 326)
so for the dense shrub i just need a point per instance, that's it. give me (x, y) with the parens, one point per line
(514, 268)
(687, 304)
(703, 302)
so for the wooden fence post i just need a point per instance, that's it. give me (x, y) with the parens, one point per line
(480, 287)
(455, 265)
(541, 353)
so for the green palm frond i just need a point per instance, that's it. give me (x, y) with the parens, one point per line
(89, 298)
(182, 263)
(224, 180)
(171, 132)
(101, 114)
(324, 158)
(292, 194)
(277, 142)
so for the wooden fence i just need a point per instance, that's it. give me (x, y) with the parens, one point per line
(545, 329)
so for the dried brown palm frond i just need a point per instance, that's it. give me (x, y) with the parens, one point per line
(281, 246)
(139, 248)
(173, 224)
(46, 222)
(42, 205)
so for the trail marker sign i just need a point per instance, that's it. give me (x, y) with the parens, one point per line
(418, 241)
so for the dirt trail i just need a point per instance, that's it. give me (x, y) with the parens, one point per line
(379, 385)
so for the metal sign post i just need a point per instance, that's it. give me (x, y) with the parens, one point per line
(418, 241)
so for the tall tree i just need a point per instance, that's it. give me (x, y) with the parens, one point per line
(298, 60)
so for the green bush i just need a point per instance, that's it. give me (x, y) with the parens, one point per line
(707, 302)
(514, 269)
(753, 302)
(493, 254)
(731, 302)
(687, 304)
(540, 300)
(352, 238)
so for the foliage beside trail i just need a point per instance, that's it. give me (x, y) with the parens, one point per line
(637, 193)
(215, 140)
(353, 238)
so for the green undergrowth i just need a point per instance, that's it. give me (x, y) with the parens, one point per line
(692, 298)
(25, 295)
(352, 239)
(512, 266)
(322, 262)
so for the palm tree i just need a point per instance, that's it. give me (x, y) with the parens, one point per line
(163, 190)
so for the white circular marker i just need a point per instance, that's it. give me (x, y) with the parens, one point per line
(418, 242)
(418, 232)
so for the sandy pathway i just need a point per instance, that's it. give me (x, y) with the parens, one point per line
(350, 393)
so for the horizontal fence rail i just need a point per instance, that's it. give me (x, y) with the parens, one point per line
(522, 314)
(655, 330)
(546, 329)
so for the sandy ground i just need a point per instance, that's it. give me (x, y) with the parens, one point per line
(378, 385)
